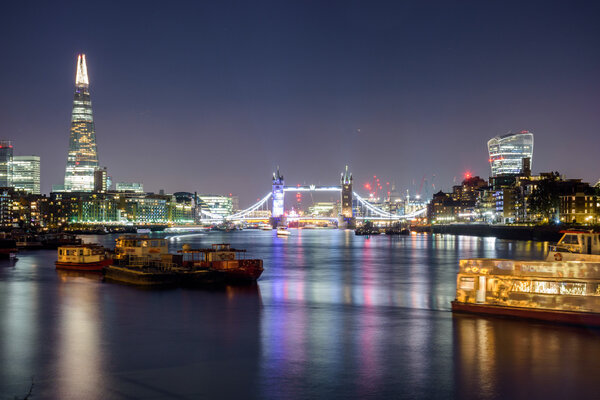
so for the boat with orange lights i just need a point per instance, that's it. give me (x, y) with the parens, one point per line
(564, 288)
(83, 257)
(222, 259)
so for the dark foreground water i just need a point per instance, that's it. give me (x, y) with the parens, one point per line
(333, 316)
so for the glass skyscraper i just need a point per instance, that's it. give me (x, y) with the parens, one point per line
(82, 160)
(26, 173)
(508, 151)
(6, 157)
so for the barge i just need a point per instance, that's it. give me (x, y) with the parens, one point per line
(140, 260)
(224, 260)
(564, 288)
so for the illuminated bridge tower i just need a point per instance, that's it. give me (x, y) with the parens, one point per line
(278, 199)
(82, 159)
(346, 219)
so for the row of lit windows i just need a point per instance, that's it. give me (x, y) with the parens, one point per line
(551, 287)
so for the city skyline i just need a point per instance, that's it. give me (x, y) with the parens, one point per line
(338, 92)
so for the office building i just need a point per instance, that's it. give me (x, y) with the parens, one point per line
(135, 187)
(6, 157)
(82, 159)
(26, 173)
(100, 180)
(507, 153)
(215, 206)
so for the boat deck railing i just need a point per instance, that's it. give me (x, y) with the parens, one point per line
(566, 248)
(143, 262)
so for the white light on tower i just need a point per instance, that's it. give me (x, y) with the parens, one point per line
(82, 75)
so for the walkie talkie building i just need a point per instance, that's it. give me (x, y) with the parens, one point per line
(508, 151)
(82, 160)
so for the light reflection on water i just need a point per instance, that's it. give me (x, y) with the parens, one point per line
(333, 316)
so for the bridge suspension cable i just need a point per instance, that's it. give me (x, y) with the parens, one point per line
(252, 208)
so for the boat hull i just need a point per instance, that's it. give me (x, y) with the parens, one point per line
(139, 277)
(90, 266)
(239, 270)
(556, 316)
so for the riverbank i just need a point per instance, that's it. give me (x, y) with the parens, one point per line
(510, 232)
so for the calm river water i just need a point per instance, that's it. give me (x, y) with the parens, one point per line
(333, 316)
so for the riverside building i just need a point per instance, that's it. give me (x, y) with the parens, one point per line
(6, 157)
(26, 173)
(82, 159)
(510, 154)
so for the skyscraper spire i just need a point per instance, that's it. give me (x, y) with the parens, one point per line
(82, 160)
(82, 75)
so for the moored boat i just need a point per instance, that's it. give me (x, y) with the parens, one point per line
(28, 242)
(141, 260)
(82, 257)
(283, 231)
(55, 240)
(223, 259)
(8, 248)
(564, 288)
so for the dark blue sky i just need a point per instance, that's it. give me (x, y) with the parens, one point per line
(212, 96)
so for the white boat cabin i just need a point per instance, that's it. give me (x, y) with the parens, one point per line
(576, 246)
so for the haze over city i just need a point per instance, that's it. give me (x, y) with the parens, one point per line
(212, 97)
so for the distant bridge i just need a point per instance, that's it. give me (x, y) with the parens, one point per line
(369, 211)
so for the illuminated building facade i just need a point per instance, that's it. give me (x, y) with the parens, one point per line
(6, 158)
(129, 187)
(26, 173)
(82, 159)
(216, 205)
(507, 153)
(323, 209)
(100, 180)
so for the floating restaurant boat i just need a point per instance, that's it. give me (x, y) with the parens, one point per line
(564, 288)
(82, 257)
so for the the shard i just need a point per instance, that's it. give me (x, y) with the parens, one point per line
(82, 160)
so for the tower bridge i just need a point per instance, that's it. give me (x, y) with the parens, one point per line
(347, 216)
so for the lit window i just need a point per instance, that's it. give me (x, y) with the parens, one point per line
(545, 287)
(572, 288)
(522, 286)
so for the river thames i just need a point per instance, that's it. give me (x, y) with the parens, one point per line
(334, 315)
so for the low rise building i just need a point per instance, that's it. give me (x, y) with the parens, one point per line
(580, 208)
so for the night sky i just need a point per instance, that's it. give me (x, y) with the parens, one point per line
(211, 97)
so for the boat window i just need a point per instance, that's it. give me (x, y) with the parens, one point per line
(81, 252)
(60, 252)
(570, 239)
(573, 288)
(522, 286)
(467, 283)
(545, 287)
